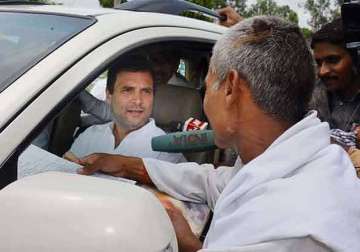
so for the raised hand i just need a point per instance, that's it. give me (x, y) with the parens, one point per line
(232, 17)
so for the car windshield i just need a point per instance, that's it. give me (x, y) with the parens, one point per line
(25, 38)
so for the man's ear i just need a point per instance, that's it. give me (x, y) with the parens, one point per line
(233, 86)
(108, 97)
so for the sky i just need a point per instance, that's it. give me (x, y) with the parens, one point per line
(293, 4)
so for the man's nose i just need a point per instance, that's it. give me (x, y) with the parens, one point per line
(137, 98)
(323, 70)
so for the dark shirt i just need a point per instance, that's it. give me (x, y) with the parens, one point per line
(339, 113)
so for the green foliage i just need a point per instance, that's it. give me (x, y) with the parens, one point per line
(322, 11)
(240, 6)
(270, 7)
(261, 7)
(306, 32)
(107, 3)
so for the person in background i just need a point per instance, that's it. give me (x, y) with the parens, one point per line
(337, 93)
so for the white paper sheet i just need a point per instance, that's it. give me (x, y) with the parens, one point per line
(35, 160)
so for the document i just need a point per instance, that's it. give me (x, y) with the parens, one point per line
(35, 160)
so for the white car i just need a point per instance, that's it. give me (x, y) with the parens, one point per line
(48, 55)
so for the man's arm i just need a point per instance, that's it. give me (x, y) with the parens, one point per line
(116, 165)
(183, 181)
(187, 241)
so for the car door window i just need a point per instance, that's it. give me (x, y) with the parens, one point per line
(26, 38)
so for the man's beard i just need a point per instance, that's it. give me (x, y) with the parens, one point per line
(123, 123)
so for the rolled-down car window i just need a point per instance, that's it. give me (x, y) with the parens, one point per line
(26, 38)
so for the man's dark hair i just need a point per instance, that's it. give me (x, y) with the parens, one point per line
(128, 63)
(331, 32)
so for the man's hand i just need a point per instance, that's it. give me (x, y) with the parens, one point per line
(115, 165)
(71, 157)
(355, 158)
(187, 241)
(101, 162)
(357, 134)
(232, 17)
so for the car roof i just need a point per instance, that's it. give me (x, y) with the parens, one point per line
(138, 19)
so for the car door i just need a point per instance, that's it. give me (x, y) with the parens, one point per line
(20, 131)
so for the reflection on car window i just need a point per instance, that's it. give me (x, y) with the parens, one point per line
(182, 69)
(26, 38)
(98, 87)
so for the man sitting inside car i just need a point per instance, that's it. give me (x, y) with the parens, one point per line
(130, 93)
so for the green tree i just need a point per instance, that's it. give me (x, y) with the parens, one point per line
(322, 11)
(270, 7)
(240, 6)
(306, 32)
(109, 3)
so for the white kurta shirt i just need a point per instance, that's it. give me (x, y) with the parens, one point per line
(301, 194)
(100, 139)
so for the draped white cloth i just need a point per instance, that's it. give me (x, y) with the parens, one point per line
(301, 194)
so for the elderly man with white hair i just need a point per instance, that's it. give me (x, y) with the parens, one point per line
(290, 189)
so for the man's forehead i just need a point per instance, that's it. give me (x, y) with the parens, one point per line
(327, 47)
(134, 79)
(134, 74)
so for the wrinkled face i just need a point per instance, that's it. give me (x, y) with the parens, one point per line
(214, 107)
(334, 66)
(132, 99)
